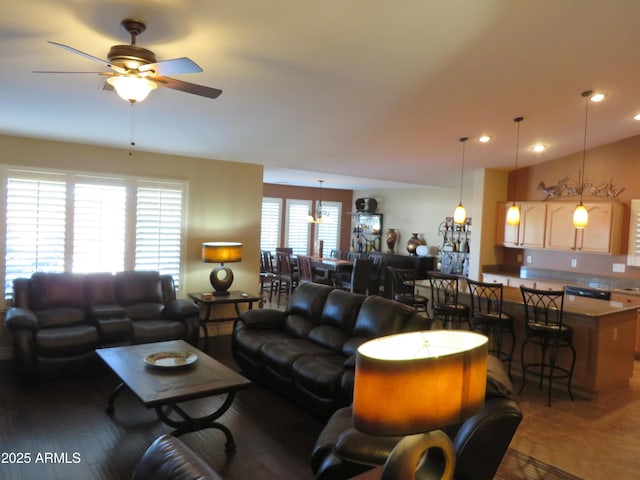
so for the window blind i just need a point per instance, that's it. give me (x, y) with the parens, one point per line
(159, 229)
(298, 230)
(329, 232)
(99, 220)
(633, 257)
(270, 223)
(35, 238)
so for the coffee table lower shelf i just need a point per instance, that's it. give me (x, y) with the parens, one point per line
(163, 389)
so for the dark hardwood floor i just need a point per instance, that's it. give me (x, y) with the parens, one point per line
(63, 427)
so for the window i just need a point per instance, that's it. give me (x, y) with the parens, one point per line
(270, 223)
(59, 222)
(329, 232)
(159, 229)
(99, 213)
(298, 230)
(35, 226)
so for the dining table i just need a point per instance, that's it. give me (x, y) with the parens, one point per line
(334, 267)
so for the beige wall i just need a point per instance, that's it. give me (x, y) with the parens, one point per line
(224, 199)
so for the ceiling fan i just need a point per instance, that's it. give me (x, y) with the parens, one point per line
(135, 70)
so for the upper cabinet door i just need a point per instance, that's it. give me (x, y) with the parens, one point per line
(560, 234)
(533, 216)
(602, 233)
(529, 233)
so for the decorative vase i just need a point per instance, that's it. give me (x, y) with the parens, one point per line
(413, 243)
(392, 236)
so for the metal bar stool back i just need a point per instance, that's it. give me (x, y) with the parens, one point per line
(545, 328)
(403, 288)
(489, 319)
(444, 301)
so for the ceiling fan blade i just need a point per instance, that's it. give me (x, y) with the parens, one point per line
(78, 52)
(54, 71)
(173, 66)
(187, 87)
(87, 55)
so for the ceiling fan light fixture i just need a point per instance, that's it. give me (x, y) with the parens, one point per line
(132, 88)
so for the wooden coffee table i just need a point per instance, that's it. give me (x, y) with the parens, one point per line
(162, 388)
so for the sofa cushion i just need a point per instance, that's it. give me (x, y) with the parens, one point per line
(144, 311)
(67, 341)
(138, 287)
(279, 356)
(52, 290)
(341, 309)
(100, 289)
(328, 336)
(319, 374)
(147, 331)
(308, 300)
(61, 316)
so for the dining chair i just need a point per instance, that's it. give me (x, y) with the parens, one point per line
(268, 277)
(360, 277)
(286, 281)
(305, 269)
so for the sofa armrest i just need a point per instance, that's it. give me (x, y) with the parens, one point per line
(180, 309)
(168, 458)
(17, 317)
(263, 318)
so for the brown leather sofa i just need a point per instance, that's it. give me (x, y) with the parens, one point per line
(58, 319)
(307, 353)
(480, 442)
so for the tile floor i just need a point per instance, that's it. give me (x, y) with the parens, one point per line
(593, 438)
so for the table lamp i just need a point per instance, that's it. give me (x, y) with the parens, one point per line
(412, 384)
(221, 277)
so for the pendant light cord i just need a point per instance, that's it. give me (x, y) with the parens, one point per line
(463, 140)
(132, 129)
(586, 96)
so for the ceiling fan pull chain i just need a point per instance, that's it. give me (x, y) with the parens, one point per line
(132, 131)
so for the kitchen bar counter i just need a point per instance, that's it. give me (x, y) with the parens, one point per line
(604, 338)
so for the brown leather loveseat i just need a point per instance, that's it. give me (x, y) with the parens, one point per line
(59, 319)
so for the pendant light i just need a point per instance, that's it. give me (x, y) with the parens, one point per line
(460, 215)
(580, 214)
(513, 214)
(320, 216)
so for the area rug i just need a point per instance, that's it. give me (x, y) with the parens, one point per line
(517, 466)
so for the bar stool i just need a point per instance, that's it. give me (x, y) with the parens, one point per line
(543, 316)
(489, 319)
(403, 288)
(444, 300)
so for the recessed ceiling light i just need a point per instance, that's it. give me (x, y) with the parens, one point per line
(636, 116)
(538, 148)
(484, 138)
(597, 97)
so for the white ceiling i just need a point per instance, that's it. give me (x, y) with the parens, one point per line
(361, 93)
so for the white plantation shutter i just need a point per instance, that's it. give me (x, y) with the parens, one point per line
(329, 231)
(35, 238)
(270, 223)
(159, 228)
(63, 221)
(99, 220)
(298, 227)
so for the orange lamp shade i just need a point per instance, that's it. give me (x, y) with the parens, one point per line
(221, 252)
(417, 382)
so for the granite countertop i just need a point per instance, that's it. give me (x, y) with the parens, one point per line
(589, 307)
